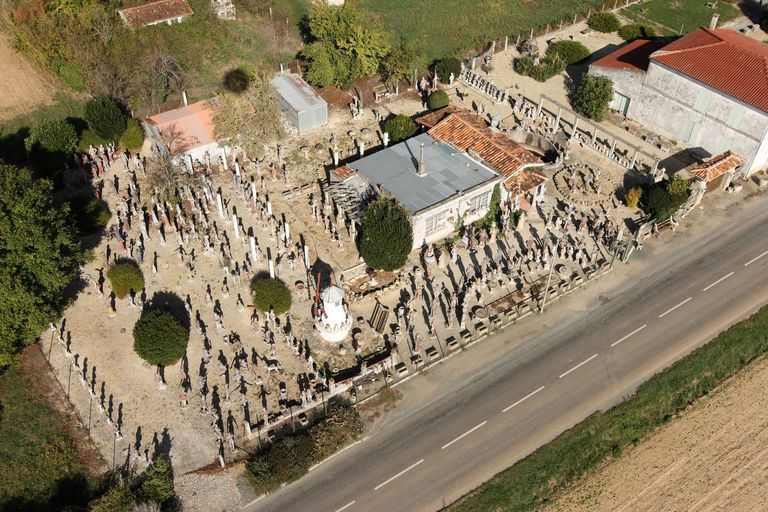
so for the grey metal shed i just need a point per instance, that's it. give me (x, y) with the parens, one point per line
(305, 108)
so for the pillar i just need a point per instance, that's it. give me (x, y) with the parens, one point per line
(575, 128)
(386, 139)
(235, 226)
(541, 105)
(335, 158)
(253, 248)
(219, 205)
(557, 121)
(361, 148)
(269, 208)
(634, 158)
(613, 147)
(594, 133)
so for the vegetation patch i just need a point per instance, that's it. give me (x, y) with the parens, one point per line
(400, 128)
(593, 97)
(680, 16)
(125, 276)
(160, 338)
(570, 52)
(270, 294)
(387, 235)
(531, 482)
(437, 100)
(604, 22)
(636, 31)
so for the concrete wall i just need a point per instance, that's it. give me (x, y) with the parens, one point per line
(453, 209)
(693, 113)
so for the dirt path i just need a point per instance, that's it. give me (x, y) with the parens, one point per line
(714, 457)
(22, 87)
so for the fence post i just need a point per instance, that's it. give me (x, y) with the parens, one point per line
(506, 43)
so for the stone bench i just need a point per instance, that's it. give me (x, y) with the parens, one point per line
(416, 360)
(465, 335)
(451, 343)
(481, 328)
(401, 368)
(432, 353)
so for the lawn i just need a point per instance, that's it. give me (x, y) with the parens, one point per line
(450, 27)
(41, 468)
(674, 17)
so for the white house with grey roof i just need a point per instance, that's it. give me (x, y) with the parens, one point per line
(437, 184)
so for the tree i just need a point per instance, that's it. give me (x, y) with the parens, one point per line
(665, 198)
(158, 482)
(50, 145)
(593, 96)
(39, 258)
(387, 235)
(398, 64)
(252, 117)
(604, 22)
(133, 136)
(437, 100)
(400, 127)
(570, 52)
(270, 294)
(125, 276)
(636, 31)
(344, 46)
(633, 197)
(444, 68)
(105, 117)
(116, 499)
(165, 171)
(159, 337)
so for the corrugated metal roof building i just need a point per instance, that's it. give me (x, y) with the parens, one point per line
(303, 106)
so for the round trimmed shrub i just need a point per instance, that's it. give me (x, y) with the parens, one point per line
(160, 338)
(604, 22)
(400, 127)
(269, 294)
(125, 275)
(437, 100)
(636, 31)
(570, 52)
(445, 67)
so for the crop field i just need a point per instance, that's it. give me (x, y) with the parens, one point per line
(673, 17)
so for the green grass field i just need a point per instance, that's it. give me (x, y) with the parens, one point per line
(533, 481)
(673, 17)
(449, 27)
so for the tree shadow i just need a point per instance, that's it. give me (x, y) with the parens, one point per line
(167, 301)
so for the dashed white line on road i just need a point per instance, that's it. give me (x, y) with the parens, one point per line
(578, 366)
(526, 397)
(385, 482)
(345, 507)
(755, 259)
(718, 281)
(465, 434)
(674, 308)
(630, 334)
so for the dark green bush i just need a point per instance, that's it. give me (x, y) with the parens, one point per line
(270, 294)
(133, 136)
(52, 136)
(160, 338)
(570, 52)
(636, 31)
(105, 117)
(437, 100)
(387, 235)
(158, 482)
(666, 197)
(593, 96)
(400, 128)
(91, 215)
(125, 275)
(541, 72)
(445, 67)
(604, 22)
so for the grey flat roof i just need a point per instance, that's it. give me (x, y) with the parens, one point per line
(296, 92)
(448, 172)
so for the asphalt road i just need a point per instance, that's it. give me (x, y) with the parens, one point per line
(480, 420)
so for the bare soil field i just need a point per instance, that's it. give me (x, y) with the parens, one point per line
(713, 457)
(22, 87)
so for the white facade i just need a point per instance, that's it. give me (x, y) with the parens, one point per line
(334, 321)
(690, 112)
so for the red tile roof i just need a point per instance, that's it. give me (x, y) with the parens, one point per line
(155, 12)
(633, 56)
(717, 166)
(726, 60)
(468, 132)
(344, 172)
(193, 123)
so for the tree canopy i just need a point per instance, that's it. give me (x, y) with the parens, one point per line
(39, 258)
(158, 482)
(159, 337)
(400, 127)
(345, 46)
(604, 22)
(636, 31)
(437, 100)
(50, 145)
(665, 198)
(387, 235)
(593, 96)
(570, 52)
(271, 294)
(251, 117)
(105, 117)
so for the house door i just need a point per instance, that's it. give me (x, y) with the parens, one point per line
(620, 103)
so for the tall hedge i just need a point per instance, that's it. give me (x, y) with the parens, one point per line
(446, 66)
(636, 31)
(387, 235)
(105, 117)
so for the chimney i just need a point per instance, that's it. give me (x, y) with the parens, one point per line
(184, 98)
(713, 23)
(422, 166)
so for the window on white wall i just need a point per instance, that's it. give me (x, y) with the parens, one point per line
(435, 222)
(479, 202)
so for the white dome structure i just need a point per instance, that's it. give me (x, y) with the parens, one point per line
(333, 322)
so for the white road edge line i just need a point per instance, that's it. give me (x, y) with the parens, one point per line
(578, 366)
(465, 434)
(674, 308)
(253, 502)
(338, 452)
(755, 259)
(630, 334)
(345, 507)
(526, 397)
(718, 281)
(385, 482)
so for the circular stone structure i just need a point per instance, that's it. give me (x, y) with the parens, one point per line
(334, 322)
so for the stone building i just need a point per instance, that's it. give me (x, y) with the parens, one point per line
(443, 177)
(707, 89)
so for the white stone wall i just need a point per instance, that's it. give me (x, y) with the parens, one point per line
(693, 113)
